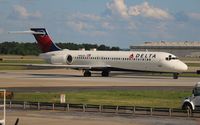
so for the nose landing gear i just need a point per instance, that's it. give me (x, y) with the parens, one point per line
(175, 75)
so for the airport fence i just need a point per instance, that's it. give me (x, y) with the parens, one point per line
(118, 110)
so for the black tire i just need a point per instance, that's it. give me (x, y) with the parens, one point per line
(187, 106)
(105, 73)
(87, 73)
(175, 75)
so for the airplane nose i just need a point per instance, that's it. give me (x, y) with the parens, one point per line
(181, 67)
(186, 67)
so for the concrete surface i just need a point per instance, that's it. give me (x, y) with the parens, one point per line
(62, 77)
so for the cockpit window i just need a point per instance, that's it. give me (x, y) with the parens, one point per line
(170, 57)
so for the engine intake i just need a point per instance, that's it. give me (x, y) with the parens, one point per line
(69, 59)
(62, 59)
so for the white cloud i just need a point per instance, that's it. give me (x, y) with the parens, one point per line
(147, 10)
(121, 19)
(95, 24)
(118, 7)
(91, 16)
(88, 24)
(22, 13)
(82, 16)
(85, 28)
(79, 26)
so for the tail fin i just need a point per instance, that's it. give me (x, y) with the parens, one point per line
(44, 41)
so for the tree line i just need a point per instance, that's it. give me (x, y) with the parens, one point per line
(21, 48)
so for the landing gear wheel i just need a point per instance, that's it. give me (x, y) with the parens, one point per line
(105, 73)
(188, 108)
(175, 75)
(87, 73)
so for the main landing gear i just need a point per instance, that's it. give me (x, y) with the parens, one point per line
(105, 73)
(87, 73)
(175, 75)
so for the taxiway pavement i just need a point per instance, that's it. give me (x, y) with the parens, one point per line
(73, 78)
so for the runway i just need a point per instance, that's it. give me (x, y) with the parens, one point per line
(62, 78)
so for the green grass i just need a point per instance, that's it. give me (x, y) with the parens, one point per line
(189, 75)
(190, 59)
(24, 61)
(12, 67)
(3, 63)
(18, 57)
(152, 98)
(193, 64)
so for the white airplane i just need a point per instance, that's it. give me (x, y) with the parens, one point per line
(104, 61)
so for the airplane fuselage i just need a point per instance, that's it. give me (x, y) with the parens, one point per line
(118, 60)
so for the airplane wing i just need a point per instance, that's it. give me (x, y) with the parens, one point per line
(51, 66)
(82, 67)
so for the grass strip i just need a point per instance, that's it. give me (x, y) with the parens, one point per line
(150, 98)
(193, 64)
(18, 61)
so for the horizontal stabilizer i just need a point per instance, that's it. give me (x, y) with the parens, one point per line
(43, 39)
(27, 32)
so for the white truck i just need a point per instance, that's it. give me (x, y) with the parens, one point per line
(193, 102)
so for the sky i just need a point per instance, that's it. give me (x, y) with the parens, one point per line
(111, 22)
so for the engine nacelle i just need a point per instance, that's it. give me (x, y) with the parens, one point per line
(62, 59)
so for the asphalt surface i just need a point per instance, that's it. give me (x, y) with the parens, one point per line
(62, 80)
(63, 118)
